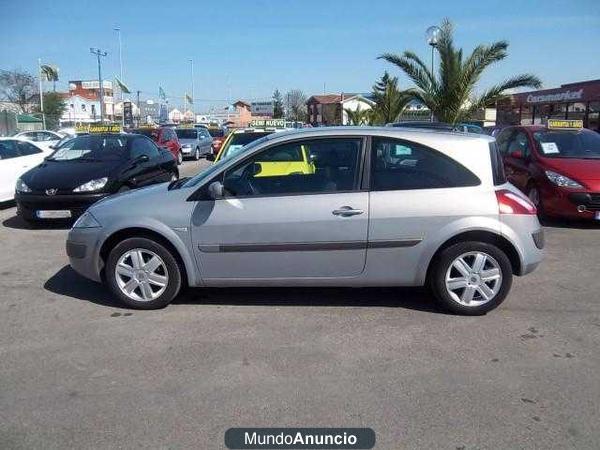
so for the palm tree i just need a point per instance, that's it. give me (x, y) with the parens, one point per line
(450, 95)
(358, 116)
(390, 101)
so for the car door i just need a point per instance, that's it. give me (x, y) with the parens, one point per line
(289, 226)
(416, 194)
(10, 168)
(517, 159)
(205, 141)
(142, 172)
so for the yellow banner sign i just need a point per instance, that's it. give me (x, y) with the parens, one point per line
(573, 124)
(98, 129)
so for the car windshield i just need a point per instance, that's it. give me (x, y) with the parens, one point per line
(152, 133)
(214, 168)
(186, 134)
(239, 140)
(582, 144)
(216, 132)
(92, 148)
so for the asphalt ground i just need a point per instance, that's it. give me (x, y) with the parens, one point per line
(79, 371)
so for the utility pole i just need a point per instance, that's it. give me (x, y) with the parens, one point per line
(139, 109)
(99, 53)
(193, 99)
(41, 93)
(118, 30)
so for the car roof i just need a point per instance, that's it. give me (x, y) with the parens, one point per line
(400, 132)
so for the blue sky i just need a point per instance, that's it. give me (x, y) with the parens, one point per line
(245, 49)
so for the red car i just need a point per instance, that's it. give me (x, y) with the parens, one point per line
(218, 135)
(557, 166)
(164, 137)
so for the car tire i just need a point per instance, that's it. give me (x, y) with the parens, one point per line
(144, 276)
(197, 154)
(446, 280)
(179, 157)
(533, 193)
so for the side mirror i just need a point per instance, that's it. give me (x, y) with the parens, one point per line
(256, 169)
(210, 157)
(517, 154)
(216, 190)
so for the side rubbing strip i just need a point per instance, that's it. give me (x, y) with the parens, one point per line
(306, 246)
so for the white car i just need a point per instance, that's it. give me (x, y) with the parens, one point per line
(17, 157)
(43, 138)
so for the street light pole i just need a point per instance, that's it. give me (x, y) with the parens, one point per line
(193, 99)
(41, 93)
(99, 53)
(118, 30)
(433, 36)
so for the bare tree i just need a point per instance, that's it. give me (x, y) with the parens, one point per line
(296, 105)
(18, 87)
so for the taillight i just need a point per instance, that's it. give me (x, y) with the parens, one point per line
(511, 203)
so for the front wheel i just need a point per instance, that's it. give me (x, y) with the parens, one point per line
(179, 157)
(533, 193)
(471, 278)
(197, 154)
(143, 274)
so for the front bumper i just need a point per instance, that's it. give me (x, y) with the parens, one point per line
(83, 250)
(29, 204)
(187, 150)
(561, 202)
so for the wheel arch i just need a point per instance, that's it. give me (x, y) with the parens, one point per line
(486, 236)
(140, 232)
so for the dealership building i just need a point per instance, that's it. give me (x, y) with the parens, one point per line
(570, 101)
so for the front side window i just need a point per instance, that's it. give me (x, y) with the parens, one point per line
(503, 139)
(403, 165)
(8, 150)
(26, 149)
(302, 167)
(519, 143)
(143, 146)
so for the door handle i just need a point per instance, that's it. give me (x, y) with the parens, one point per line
(347, 211)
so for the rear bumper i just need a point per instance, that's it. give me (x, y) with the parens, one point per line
(527, 236)
(29, 204)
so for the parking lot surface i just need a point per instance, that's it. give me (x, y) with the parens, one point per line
(79, 371)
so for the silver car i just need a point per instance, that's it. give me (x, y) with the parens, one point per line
(195, 142)
(322, 207)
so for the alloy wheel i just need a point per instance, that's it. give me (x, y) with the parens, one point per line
(141, 275)
(473, 279)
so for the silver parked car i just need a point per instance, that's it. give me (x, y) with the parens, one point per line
(195, 142)
(322, 207)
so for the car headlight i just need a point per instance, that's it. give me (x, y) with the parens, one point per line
(90, 186)
(561, 180)
(21, 186)
(86, 220)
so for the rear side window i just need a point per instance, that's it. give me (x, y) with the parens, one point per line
(497, 165)
(402, 165)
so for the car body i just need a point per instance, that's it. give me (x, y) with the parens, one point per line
(164, 137)
(219, 134)
(17, 156)
(551, 166)
(42, 138)
(195, 142)
(237, 139)
(422, 124)
(384, 207)
(87, 169)
(469, 128)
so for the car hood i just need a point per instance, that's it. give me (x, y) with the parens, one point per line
(66, 175)
(187, 141)
(577, 169)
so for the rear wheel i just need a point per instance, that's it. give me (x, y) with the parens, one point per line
(533, 193)
(471, 278)
(143, 274)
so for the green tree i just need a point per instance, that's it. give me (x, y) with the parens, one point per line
(450, 94)
(18, 87)
(54, 107)
(390, 101)
(358, 116)
(277, 105)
